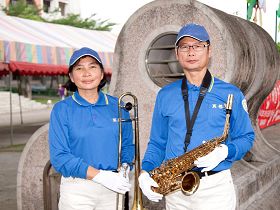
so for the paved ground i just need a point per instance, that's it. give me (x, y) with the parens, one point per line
(10, 154)
(9, 157)
(8, 176)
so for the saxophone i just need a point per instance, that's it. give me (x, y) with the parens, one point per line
(175, 173)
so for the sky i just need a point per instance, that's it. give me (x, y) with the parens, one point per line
(120, 10)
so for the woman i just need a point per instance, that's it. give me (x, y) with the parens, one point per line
(83, 139)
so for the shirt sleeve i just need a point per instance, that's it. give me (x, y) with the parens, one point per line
(156, 148)
(60, 154)
(127, 141)
(241, 135)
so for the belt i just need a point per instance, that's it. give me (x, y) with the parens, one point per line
(206, 173)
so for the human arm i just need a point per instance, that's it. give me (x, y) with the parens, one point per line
(111, 180)
(60, 154)
(155, 152)
(241, 135)
(211, 160)
(146, 183)
(240, 139)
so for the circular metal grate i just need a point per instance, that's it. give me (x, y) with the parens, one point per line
(161, 63)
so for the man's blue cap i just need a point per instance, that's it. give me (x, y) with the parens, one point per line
(194, 31)
(85, 51)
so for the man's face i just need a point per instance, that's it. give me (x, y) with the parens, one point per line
(192, 54)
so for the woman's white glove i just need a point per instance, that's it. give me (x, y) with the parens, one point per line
(210, 161)
(112, 181)
(124, 171)
(145, 183)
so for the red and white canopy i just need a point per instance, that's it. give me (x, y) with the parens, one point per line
(37, 48)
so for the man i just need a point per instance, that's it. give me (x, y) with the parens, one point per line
(175, 130)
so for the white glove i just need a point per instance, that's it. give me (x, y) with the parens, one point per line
(145, 183)
(124, 171)
(210, 161)
(112, 181)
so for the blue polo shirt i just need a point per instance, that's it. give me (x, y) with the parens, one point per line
(82, 134)
(169, 124)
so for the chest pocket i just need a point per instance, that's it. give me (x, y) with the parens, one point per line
(217, 115)
(107, 125)
(100, 121)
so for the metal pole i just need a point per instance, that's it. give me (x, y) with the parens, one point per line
(20, 109)
(19, 99)
(11, 109)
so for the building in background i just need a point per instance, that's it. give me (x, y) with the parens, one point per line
(263, 15)
(51, 9)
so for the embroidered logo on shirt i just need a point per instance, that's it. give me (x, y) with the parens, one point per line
(244, 104)
(218, 106)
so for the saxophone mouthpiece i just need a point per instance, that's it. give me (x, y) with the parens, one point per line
(229, 103)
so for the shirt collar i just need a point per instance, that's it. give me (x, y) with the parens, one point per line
(102, 99)
(194, 87)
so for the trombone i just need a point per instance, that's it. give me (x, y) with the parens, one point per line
(137, 201)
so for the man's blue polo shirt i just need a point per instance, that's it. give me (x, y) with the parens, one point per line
(169, 124)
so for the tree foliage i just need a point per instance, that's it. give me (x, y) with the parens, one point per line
(278, 47)
(24, 10)
(88, 23)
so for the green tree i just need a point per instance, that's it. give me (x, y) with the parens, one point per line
(88, 23)
(24, 10)
(278, 46)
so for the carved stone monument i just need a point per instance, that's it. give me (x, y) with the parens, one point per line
(144, 60)
(242, 53)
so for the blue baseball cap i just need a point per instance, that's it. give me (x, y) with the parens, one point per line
(194, 31)
(85, 51)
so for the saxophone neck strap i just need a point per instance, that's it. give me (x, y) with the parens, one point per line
(202, 92)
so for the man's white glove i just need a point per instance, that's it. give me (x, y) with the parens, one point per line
(124, 171)
(210, 161)
(112, 181)
(145, 183)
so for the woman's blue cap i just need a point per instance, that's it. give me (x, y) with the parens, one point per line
(85, 51)
(194, 31)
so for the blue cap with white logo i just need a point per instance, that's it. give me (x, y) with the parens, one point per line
(194, 31)
(85, 51)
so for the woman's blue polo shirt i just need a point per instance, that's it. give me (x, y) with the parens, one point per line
(82, 134)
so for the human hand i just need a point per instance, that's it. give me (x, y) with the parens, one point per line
(112, 181)
(124, 171)
(210, 161)
(145, 183)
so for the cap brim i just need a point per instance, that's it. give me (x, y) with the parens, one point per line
(176, 43)
(83, 55)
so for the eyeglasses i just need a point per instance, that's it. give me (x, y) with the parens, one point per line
(196, 47)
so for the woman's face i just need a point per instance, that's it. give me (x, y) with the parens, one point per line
(86, 74)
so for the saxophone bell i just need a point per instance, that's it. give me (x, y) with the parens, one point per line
(177, 173)
(190, 182)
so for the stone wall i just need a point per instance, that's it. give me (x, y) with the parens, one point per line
(243, 53)
(31, 166)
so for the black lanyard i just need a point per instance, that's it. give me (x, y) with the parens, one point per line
(202, 92)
